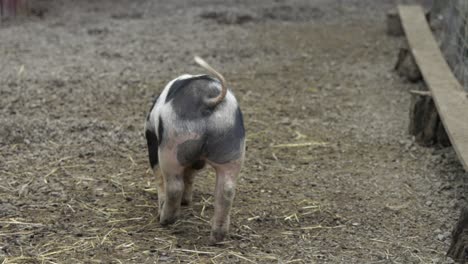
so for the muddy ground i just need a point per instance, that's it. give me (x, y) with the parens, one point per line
(76, 81)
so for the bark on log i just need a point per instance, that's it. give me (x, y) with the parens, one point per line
(425, 123)
(394, 27)
(406, 66)
(458, 250)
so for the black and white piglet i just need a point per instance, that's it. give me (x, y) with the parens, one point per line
(195, 121)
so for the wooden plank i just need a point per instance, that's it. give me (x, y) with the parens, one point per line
(12, 8)
(450, 98)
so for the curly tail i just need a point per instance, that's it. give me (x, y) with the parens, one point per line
(213, 102)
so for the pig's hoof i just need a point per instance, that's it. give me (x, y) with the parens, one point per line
(168, 215)
(167, 221)
(186, 202)
(217, 236)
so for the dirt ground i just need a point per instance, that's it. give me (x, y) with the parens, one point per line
(331, 175)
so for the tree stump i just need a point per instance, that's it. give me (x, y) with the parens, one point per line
(425, 124)
(442, 137)
(394, 27)
(458, 250)
(406, 66)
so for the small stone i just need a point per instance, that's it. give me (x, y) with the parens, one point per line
(429, 203)
(453, 203)
(440, 237)
(447, 234)
(449, 260)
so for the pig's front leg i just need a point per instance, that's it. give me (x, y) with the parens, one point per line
(226, 176)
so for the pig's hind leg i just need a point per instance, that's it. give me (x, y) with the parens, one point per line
(160, 187)
(189, 176)
(152, 142)
(226, 154)
(226, 177)
(173, 176)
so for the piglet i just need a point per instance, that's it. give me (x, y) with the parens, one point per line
(195, 121)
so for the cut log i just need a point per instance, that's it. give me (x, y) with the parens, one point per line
(425, 124)
(458, 250)
(442, 138)
(394, 27)
(406, 66)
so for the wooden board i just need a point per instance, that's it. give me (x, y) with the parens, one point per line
(450, 98)
(12, 8)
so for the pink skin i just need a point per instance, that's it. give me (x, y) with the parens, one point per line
(176, 185)
(169, 211)
(176, 180)
(173, 179)
(189, 175)
(160, 186)
(226, 178)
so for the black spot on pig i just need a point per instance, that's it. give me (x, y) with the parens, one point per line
(224, 146)
(198, 165)
(152, 142)
(179, 85)
(190, 151)
(160, 131)
(220, 146)
(188, 96)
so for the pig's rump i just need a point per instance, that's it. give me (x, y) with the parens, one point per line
(188, 131)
